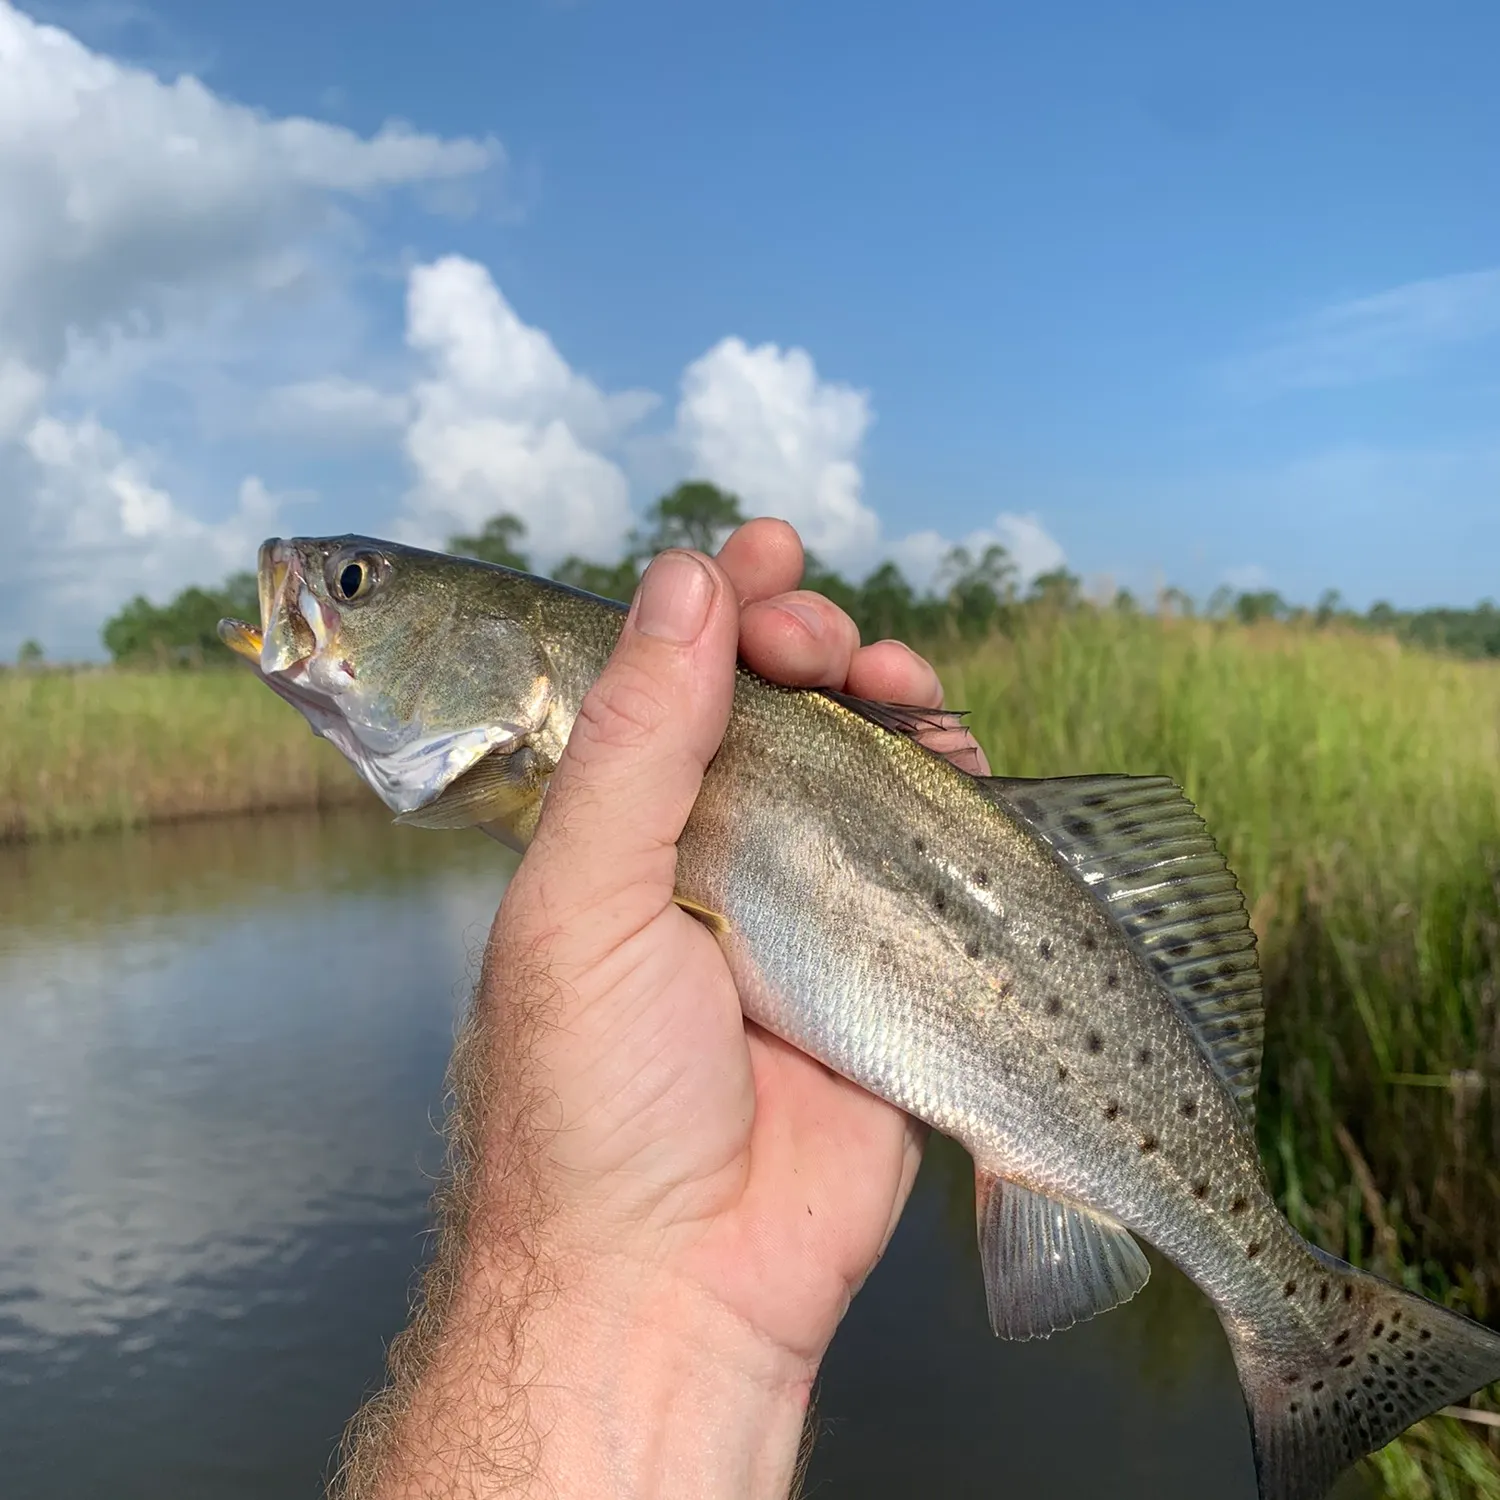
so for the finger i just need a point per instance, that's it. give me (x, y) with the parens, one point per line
(761, 558)
(606, 841)
(800, 639)
(891, 672)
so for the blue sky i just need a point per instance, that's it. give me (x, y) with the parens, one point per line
(1179, 293)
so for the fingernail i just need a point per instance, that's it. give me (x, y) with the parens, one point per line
(810, 615)
(674, 597)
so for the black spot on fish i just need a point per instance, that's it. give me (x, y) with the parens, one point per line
(1200, 1190)
(1204, 987)
(972, 948)
(1112, 979)
(1348, 1293)
(1054, 1005)
(939, 900)
(1090, 942)
(1111, 1110)
(1227, 971)
(1343, 1338)
(1062, 1073)
(1346, 1361)
(1377, 1330)
(1149, 1143)
(1028, 807)
(1290, 1289)
(1189, 1108)
(1425, 1334)
(1294, 1408)
(1045, 947)
(1080, 827)
(1317, 1386)
(1129, 827)
(1322, 1291)
(1394, 1336)
(1153, 914)
(920, 845)
(1099, 799)
(1143, 1057)
(1180, 950)
(1395, 1317)
(1238, 1206)
(1095, 1042)
(1252, 1249)
(1292, 1377)
(981, 877)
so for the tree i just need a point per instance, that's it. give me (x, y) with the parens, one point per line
(696, 514)
(608, 580)
(1264, 604)
(1058, 589)
(30, 654)
(497, 541)
(184, 632)
(978, 591)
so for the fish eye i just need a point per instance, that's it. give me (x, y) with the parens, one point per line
(352, 578)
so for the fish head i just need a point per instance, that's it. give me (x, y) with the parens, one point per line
(415, 665)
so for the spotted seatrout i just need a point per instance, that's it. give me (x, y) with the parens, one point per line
(1059, 974)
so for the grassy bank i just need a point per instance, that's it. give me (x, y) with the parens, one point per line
(1354, 784)
(82, 751)
(1355, 787)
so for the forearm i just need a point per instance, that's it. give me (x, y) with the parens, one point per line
(530, 1371)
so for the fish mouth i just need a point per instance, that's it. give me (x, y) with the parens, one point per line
(296, 652)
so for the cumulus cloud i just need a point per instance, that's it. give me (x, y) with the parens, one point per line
(762, 423)
(502, 422)
(331, 409)
(1032, 548)
(136, 212)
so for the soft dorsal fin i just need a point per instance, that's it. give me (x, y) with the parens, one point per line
(1140, 848)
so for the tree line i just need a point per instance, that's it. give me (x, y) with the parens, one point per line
(972, 595)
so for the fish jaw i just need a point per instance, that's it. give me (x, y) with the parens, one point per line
(297, 652)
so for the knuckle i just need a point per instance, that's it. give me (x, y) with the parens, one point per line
(624, 710)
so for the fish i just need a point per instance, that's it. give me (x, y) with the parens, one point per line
(1060, 973)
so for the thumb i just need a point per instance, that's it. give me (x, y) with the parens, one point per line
(605, 846)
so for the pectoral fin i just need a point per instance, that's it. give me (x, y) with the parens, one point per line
(716, 922)
(1049, 1264)
(504, 791)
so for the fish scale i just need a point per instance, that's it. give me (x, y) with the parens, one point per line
(1059, 974)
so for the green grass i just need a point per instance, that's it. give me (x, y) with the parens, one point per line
(1355, 787)
(89, 750)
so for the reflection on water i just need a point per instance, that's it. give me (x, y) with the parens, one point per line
(222, 1055)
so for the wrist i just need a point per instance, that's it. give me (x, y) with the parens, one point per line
(639, 1385)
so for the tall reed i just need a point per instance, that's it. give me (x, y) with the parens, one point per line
(1355, 787)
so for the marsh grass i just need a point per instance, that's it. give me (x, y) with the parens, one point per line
(1355, 787)
(82, 751)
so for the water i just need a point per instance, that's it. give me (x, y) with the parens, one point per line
(221, 1054)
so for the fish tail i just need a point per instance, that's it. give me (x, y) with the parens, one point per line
(1362, 1361)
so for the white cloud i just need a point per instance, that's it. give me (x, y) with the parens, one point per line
(760, 422)
(149, 229)
(1391, 333)
(333, 409)
(102, 525)
(502, 422)
(123, 192)
(1031, 546)
(1247, 578)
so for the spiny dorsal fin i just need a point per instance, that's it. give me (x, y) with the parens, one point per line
(1141, 849)
(940, 730)
(1049, 1264)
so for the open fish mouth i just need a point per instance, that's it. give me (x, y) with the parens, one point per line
(297, 652)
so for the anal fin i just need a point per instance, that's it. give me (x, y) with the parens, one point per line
(1049, 1264)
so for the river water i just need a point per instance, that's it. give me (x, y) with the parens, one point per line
(221, 1055)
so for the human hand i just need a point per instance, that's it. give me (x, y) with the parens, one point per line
(671, 1208)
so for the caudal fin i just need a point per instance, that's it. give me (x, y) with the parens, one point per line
(1367, 1360)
